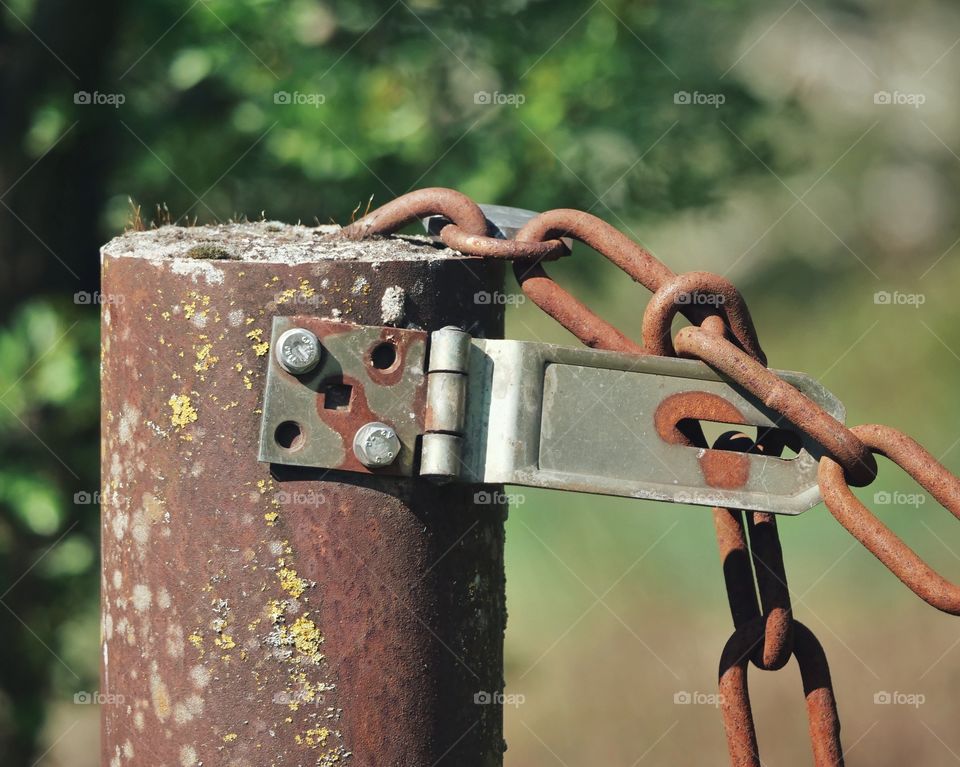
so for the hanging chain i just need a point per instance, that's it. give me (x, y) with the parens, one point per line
(722, 335)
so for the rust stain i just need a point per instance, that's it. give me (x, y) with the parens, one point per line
(675, 419)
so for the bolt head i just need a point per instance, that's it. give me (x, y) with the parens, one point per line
(298, 351)
(376, 445)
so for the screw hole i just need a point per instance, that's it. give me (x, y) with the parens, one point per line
(383, 355)
(289, 435)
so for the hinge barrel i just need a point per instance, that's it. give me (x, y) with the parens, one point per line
(445, 419)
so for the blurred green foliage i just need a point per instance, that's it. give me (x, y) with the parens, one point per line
(800, 186)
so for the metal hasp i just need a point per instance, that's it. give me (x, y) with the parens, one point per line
(540, 415)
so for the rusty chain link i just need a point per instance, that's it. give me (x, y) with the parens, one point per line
(721, 335)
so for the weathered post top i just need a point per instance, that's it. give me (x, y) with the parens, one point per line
(257, 615)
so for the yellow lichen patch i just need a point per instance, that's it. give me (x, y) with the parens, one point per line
(315, 737)
(306, 637)
(286, 295)
(230, 737)
(247, 382)
(292, 583)
(275, 610)
(183, 412)
(225, 641)
(205, 360)
(197, 641)
(271, 517)
(260, 347)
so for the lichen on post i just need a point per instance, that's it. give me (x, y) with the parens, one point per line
(254, 615)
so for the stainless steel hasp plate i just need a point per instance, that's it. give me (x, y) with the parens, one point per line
(491, 411)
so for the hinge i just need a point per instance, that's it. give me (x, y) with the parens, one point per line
(448, 407)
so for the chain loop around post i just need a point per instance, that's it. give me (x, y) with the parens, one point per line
(882, 542)
(413, 206)
(483, 246)
(537, 285)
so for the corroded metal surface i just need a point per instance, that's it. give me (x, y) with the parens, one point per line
(299, 617)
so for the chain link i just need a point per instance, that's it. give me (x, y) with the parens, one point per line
(723, 336)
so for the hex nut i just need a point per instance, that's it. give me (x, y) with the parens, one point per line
(298, 351)
(376, 445)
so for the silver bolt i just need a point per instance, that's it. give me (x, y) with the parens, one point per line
(376, 445)
(298, 351)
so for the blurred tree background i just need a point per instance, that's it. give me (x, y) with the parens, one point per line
(806, 150)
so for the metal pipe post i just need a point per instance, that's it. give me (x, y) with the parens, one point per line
(256, 616)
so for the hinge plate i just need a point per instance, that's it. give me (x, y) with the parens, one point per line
(516, 412)
(346, 390)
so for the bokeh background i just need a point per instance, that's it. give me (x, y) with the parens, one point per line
(806, 150)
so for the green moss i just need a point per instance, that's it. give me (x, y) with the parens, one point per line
(210, 251)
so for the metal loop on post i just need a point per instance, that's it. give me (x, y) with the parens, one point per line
(559, 303)
(882, 542)
(494, 247)
(777, 394)
(824, 723)
(610, 242)
(407, 208)
(587, 326)
(700, 293)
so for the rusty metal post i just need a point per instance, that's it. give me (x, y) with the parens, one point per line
(252, 617)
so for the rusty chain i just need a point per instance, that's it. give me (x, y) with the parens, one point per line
(722, 335)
